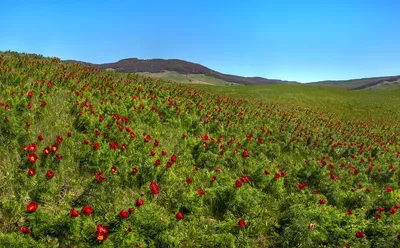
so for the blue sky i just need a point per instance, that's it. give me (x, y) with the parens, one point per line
(293, 40)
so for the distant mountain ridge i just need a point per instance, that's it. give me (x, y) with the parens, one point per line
(154, 66)
(134, 65)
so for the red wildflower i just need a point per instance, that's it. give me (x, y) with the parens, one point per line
(277, 175)
(180, 216)
(32, 147)
(378, 217)
(188, 181)
(73, 213)
(135, 170)
(40, 138)
(360, 234)
(100, 177)
(46, 151)
(31, 172)
(154, 188)
(238, 184)
(300, 186)
(322, 201)
(24, 230)
(49, 174)
(267, 172)
(54, 147)
(114, 170)
(173, 158)
(101, 233)
(392, 211)
(388, 189)
(59, 157)
(242, 223)
(245, 153)
(201, 191)
(139, 202)
(32, 158)
(87, 210)
(31, 207)
(123, 214)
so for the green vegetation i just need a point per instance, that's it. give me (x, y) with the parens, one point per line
(187, 78)
(95, 158)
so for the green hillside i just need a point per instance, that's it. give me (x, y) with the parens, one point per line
(93, 158)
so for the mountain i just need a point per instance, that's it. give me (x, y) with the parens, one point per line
(158, 67)
(363, 83)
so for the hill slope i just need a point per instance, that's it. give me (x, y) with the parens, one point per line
(359, 84)
(134, 65)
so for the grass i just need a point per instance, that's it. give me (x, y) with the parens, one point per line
(188, 78)
(247, 166)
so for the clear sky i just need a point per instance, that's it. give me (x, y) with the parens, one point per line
(294, 40)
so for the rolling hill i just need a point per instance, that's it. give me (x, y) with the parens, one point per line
(188, 72)
(158, 67)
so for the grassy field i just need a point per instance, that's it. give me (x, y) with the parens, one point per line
(94, 158)
(367, 105)
(188, 78)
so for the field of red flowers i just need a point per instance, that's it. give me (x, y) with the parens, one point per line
(98, 158)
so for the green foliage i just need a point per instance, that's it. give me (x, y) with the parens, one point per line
(267, 166)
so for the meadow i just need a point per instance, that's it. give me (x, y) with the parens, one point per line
(99, 158)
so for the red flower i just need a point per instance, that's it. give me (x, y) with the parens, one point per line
(59, 157)
(213, 178)
(173, 158)
(157, 163)
(32, 158)
(188, 181)
(300, 186)
(124, 214)
(32, 147)
(46, 151)
(242, 223)
(381, 209)
(164, 153)
(392, 211)
(245, 153)
(267, 172)
(54, 147)
(322, 201)
(201, 191)
(277, 175)
(101, 233)
(154, 188)
(100, 177)
(96, 146)
(156, 143)
(31, 207)
(86, 141)
(114, 170)
(135, 170)
(31, 172)
(73, 213)
(130, 210)
(139, 202)
(180, 216)
(349, 212)
(238, 184)
(44, 104)
(49, 174)
(283, 173)
(378, 217)
(360, 234)
(388, 189)
(24, 230)
(69, 134)
(87, 210)
(169, 164)
(40, 138)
